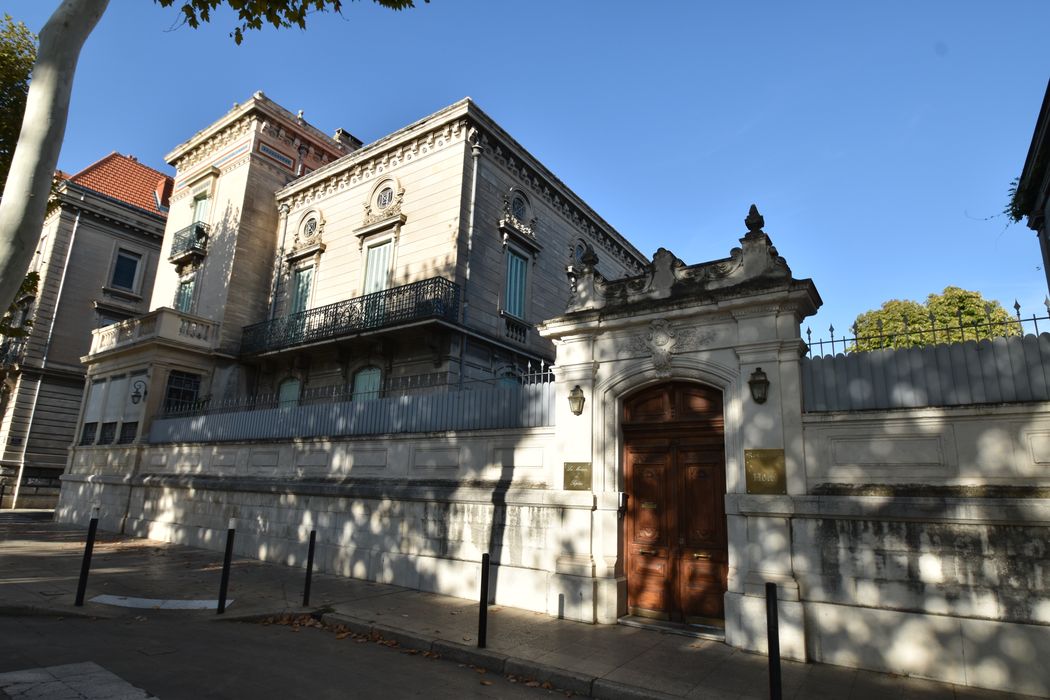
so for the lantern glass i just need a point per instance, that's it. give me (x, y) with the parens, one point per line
(759, 384)
(576, 400)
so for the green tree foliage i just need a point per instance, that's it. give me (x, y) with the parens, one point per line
(952, 316)
(255, 14)
(17, 54)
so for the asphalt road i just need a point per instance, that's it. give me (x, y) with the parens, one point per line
(174, 655)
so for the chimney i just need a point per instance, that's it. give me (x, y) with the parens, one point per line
(349, 141)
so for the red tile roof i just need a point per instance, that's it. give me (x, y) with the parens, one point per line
(125, 179)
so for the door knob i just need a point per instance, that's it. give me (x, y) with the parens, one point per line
(650, 552)
(701, 555)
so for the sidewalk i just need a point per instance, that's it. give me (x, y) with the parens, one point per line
(41, 563)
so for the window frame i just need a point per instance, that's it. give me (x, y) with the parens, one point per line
(190, 281)
(525, 259)
(375, 370)
(136, 282)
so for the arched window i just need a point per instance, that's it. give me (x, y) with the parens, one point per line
(288, 392)
(367, 382)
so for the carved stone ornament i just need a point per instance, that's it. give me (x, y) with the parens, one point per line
(756, 261)
(373, 214)
(586, 284)
(310, 231)
(664, 340)
(507, 219)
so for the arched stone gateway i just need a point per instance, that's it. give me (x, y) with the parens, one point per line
(675, 553)
(670, 428)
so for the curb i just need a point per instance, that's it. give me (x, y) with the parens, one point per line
(44, 611)
(562, 679)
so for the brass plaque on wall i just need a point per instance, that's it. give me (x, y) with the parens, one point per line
(765, 472)
(577, 476)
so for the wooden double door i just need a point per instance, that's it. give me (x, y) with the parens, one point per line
(675, 545)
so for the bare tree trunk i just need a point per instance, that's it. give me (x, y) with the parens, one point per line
(24, 203)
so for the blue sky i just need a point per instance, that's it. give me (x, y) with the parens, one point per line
(878, 139)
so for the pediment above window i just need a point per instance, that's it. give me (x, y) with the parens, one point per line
(308, 237)
(514, 228)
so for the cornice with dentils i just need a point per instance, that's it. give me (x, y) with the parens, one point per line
(260, 104)
(457, 120)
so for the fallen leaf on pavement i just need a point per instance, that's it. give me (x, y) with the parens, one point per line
(486, 682)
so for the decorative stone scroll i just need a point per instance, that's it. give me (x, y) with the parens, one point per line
(756, 260)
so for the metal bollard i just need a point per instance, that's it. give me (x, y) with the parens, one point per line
(483, 608)
(225, 582)
(85, 565)
(309, 568)
(773, 641)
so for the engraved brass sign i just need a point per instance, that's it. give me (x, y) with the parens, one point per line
(764, 471)
(577, 476)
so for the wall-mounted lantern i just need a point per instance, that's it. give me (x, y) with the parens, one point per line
(576, 400)
(138, 391)
(759, 384)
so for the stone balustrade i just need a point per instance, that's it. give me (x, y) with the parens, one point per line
(163, 323)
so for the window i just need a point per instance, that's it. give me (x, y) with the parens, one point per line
(288, 392)
(302, 281)
(182, 390)
(519, 208)
(184, 294)
(87, 435)
(514, 298)
(200, 209)
(377, 266)
(125, 270)
(385, 197)
(108, 318)
(127, 433)
(366, 383)
(108, 433)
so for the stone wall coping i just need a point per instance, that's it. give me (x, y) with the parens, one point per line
(882, 414)
(373, 489)
(1012, 511)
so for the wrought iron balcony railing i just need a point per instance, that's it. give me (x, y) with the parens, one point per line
(431, 298)
(191, 240)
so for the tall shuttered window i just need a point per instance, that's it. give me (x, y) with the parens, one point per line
(377, 266)
(301, 286)
(184, 294)
(514, 297)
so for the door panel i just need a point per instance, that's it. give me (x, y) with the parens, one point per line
(648, 528)
(675, 532)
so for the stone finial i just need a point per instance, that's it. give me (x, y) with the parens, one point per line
(589, 257)
(754, 220)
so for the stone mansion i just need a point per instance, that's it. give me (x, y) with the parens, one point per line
(428, 348)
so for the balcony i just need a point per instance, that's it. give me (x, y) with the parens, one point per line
(434, 298)
(162, 324)
(189, 243)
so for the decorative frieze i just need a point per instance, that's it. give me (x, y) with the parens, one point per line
(375, 163)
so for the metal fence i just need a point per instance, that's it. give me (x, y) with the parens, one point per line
(997, 370)
(525, 401)
(928, 332)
